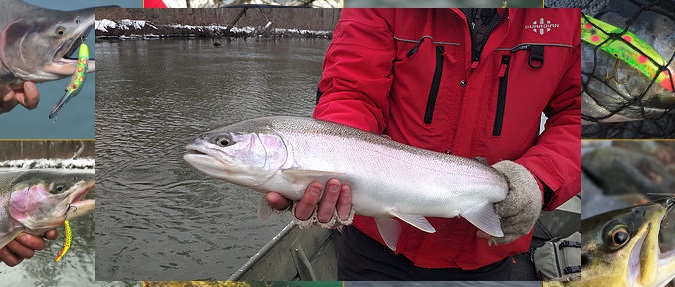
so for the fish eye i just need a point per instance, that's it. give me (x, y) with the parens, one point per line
(59, 188)
(616, 235)
(60, 30)
(77, 20)
(223, 141)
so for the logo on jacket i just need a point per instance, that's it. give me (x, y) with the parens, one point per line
(542, 26)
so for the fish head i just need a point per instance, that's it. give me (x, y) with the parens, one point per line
(634, 88)
(42, 200)
(621, 248)
(244, 157)
(38, 46)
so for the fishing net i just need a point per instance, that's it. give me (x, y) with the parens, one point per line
(624, 77)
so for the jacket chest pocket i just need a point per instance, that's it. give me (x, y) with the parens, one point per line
(526, 78)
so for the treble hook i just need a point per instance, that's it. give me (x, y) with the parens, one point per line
(65, 215)
(615, 72)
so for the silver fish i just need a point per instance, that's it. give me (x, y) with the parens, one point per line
(36, 201)
(36, 43)
(388, 179)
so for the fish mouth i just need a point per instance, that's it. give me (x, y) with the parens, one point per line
(647, 264)
(203, 159)
(79, 206)
(64, 60)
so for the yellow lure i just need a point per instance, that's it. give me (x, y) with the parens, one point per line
(69, 240)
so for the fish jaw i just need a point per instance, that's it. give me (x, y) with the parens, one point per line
(37, 46)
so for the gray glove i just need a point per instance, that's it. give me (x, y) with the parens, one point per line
(521, 207)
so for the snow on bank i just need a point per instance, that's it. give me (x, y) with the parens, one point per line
(80, 163)
(141, 29)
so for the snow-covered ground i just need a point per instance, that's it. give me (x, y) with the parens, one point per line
(80, 163)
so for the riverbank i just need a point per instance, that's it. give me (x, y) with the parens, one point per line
(141, 29)
(216, 23)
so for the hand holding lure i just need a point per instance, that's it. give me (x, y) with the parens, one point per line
(76, 81)
(69, 240)
(630, 49)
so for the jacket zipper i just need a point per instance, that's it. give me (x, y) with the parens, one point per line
(435, 83)
(501, 95)
(472, 25)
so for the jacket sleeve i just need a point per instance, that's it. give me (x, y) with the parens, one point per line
(356, 77)
(555, 160)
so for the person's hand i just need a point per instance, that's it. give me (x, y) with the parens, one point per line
(23, 247)
(331, 210)
(521, 207)
(27, 95)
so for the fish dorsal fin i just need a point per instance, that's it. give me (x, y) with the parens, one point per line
(485, 218)
(264, 209)
(307, 176)
(416, 220)
(481, 160)
(389, 230)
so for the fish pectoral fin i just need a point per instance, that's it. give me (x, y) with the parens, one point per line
(485, 218)
(416, 220)
(264, 209)
(307, 176)
(6, 238)
(389, 230)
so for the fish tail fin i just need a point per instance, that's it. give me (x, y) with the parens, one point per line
(485, 218)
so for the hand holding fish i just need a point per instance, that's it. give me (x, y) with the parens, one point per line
(521, 208)
(26, 95)
(24, 247)
(331, 210)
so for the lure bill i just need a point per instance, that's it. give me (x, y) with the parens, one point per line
(632, 50)
(69, 240)
(76, 81)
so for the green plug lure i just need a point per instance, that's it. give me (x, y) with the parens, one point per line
(596, 32)
(69, 240)
(76, 81)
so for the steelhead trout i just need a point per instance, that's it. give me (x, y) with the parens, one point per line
(388, 179)
(36, 201)
(621, 248)
(36, 43)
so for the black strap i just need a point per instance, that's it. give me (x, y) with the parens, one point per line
(567, 243)
(536, 59)
(572, 269)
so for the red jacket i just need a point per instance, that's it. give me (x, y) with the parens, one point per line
(408, 73)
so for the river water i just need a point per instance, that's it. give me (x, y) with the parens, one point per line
(159, 218)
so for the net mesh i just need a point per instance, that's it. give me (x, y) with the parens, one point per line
(604, 87)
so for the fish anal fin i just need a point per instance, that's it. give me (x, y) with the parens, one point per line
(389, 230)
(416, 220)
(485, 218)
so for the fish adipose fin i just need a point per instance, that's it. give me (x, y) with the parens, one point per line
(303, 175)
(415, 220)
(485, 218)
(389, 230)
